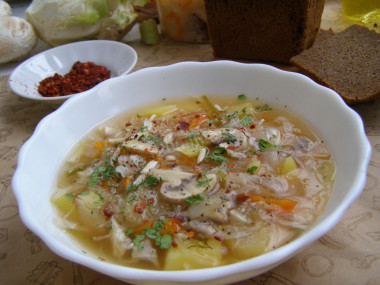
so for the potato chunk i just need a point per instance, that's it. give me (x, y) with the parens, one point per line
(194, 254)
(64, 202)
(288, 165)
(250, 245)
(90, 205)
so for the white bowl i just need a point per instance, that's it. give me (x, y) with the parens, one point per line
(40, 158)
(118, 57)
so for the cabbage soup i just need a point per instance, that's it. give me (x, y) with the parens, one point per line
(193, 183)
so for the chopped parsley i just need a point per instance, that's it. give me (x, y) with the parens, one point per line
(264, 107)
(246, 120)
(252, 169)
(69, 195)
(146, 183)
(163, 241)
(138, 241)
(156, 140)
(217, 155)
(228, 138)
(150, 181)
(195, 199)
(242, 97)
(203, 181)
(104, 172)
(267, 145)
(143, 128)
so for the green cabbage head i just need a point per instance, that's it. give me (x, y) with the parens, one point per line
(62, 21)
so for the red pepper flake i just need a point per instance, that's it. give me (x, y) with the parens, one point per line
(127, 124)
(108, 213)
(252, 126)
(138, 210)
(82, 77)
(218, 238)
(241, 198)
(183, 125)
(174, 244)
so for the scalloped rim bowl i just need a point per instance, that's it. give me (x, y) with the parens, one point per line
(40, 158)
(117, 57)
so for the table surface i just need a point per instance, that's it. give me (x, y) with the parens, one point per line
(348, 254)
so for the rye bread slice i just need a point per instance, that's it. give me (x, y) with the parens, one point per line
(347, 62)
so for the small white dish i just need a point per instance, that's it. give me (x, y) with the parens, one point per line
(117, 57)
(39, 158)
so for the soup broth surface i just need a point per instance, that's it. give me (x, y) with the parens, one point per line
(193, 183)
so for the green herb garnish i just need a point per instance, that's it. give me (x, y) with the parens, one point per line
(267, 145)
(104, 172)
(203, 181)
(195, 199)
(264, 107)
(147, 182)
(242, 97)
(246, 120)
(217, 155)
(156, 140)
(252, 169)
(228, 138)
(163, 241)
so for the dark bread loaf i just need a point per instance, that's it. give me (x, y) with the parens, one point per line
(347, 62)
(262, 30)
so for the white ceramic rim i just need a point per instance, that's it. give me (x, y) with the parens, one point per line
(50, 52)
(243, 268)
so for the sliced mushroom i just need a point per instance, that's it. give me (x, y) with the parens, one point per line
(272, 135)
(138, 144)
(238, 218)
(232, 153)
(233, 137)
(179, 185)
(204, 228)
(213, 208)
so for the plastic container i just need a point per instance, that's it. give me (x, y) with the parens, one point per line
(365, 11)
(183, 20)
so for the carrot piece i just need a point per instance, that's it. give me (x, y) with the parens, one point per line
(186, 3)
(197, 120)
(285, 204)
(171, 227)
(190, 234)
(100, 145)
(139, 229)
(177, 22)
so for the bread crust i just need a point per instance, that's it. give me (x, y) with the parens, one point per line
(262, 30)
(347, 62)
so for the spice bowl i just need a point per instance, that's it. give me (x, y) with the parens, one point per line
(117, 57)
